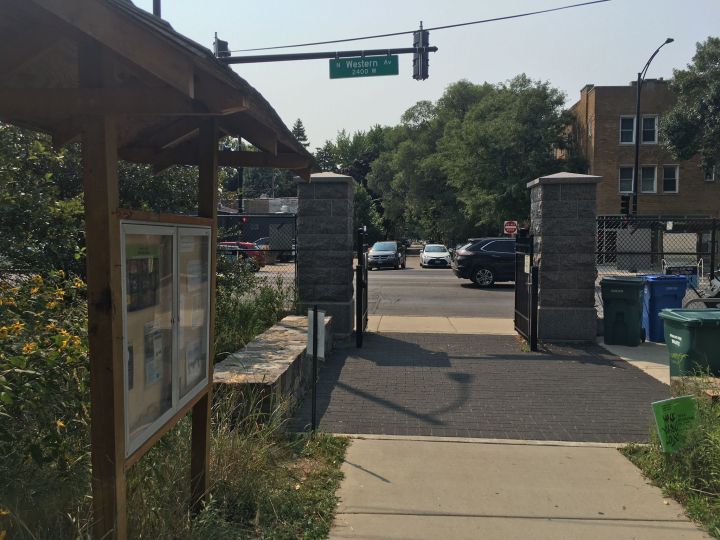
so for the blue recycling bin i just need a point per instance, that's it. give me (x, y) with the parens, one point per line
(661, 292)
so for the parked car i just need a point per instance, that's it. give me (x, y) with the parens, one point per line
(388, 253)
(486, 260)
(435, 255)
(246, 250)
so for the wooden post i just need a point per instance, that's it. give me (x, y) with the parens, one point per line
(105, 329)
(207, 207)
(102, 237)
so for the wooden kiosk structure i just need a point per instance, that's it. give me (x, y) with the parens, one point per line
(129, 87)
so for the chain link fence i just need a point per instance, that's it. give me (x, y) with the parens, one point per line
(639, 245)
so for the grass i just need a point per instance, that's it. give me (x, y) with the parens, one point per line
(692, 475)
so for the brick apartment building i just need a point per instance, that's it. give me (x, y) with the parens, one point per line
(605, 131)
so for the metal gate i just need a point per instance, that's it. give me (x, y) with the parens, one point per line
(361, 287)
(526, 290)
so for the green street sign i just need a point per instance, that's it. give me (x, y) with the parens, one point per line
(363, 66)
(673, 418)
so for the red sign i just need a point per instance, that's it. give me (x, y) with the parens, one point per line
(510, 227)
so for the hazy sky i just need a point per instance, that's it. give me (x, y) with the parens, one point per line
(604, 44)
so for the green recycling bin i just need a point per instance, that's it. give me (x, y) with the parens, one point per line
(623, 310)
(693, 340)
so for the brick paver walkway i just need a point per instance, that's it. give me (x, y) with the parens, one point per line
(481, 386)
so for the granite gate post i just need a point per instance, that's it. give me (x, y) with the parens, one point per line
(563, 222)
(325, 248)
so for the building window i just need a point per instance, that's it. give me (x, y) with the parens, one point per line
(626, 179)
(670, 179)
(649, 130)
(647, 180)
(627, 129)
(710, 175)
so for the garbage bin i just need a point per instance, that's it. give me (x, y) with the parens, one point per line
(661, 292)
(693, 340)
(623, 309)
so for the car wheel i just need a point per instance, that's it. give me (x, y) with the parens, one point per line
(483, 277)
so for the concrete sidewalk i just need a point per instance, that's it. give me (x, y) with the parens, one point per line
(404, 488)
(383, 324)
(652, 358)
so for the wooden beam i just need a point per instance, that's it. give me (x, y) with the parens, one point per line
(207, 207)
(96, 101)
(66, 132)
(249, 128)
(108, 24)
(187, 154)
(19, 49)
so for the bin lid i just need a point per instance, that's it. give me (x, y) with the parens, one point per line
(613, 281)
(666, 277)
(692, 317)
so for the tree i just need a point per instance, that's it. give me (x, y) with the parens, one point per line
(298, 130)
(692, 126)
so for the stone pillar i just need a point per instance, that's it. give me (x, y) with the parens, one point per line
(325, 248)
(563, 222)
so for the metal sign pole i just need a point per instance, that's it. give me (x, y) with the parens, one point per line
(314, 368)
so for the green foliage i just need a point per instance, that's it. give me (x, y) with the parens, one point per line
(458, 167)
(691, 475)
(264, 483)
(298, 130)
(41, 208)
(692, 126)
(44, 397)
(365, 214)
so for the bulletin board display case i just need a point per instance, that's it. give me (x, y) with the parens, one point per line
(166, 333)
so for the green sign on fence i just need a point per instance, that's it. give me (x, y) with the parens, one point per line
(363, 66)
(673, 418)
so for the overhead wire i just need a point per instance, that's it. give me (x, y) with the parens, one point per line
(445, 27)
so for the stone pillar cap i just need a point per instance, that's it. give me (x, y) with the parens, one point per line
(565, 178)
(330, 177)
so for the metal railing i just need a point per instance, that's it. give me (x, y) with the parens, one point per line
(526, 291)
(361, 287)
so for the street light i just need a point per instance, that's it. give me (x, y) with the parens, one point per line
(636, 170)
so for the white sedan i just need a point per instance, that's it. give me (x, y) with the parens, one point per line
(435, 255)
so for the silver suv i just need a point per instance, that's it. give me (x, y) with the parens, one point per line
(386, 254)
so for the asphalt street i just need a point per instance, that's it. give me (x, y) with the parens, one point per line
(423, 292)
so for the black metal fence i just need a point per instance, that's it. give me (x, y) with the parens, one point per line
(269, 241)
(361, 287)
(648, 245)
(526, 290)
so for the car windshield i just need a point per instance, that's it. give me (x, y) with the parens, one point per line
(384, 246)
(435, 249)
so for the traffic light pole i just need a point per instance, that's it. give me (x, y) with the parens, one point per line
(321, 55)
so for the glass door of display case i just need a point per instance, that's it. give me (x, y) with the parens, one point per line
(166, 322)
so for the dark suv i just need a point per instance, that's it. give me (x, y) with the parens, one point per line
(387, 254)
(486, 260)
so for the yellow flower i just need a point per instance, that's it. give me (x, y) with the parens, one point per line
(29, 347)
(76, 341)
(4, 332)
(17, 327)
(60, 424)
(4, 512)
(60, 274)
(37, 279)
(59, 294)
(15, 290)
(51, 326)
(52, 304)
(64, 333)
(34, 290)
(10, 302)
(64, 343)
(78, 283)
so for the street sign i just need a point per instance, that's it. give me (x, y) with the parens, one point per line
(363, 66)
(510, 227)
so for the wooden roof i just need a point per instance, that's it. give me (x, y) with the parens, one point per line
(158, 84)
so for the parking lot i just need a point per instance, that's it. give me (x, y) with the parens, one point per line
(432, 292)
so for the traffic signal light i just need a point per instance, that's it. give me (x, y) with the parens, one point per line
(625, 204)
(421, 41)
